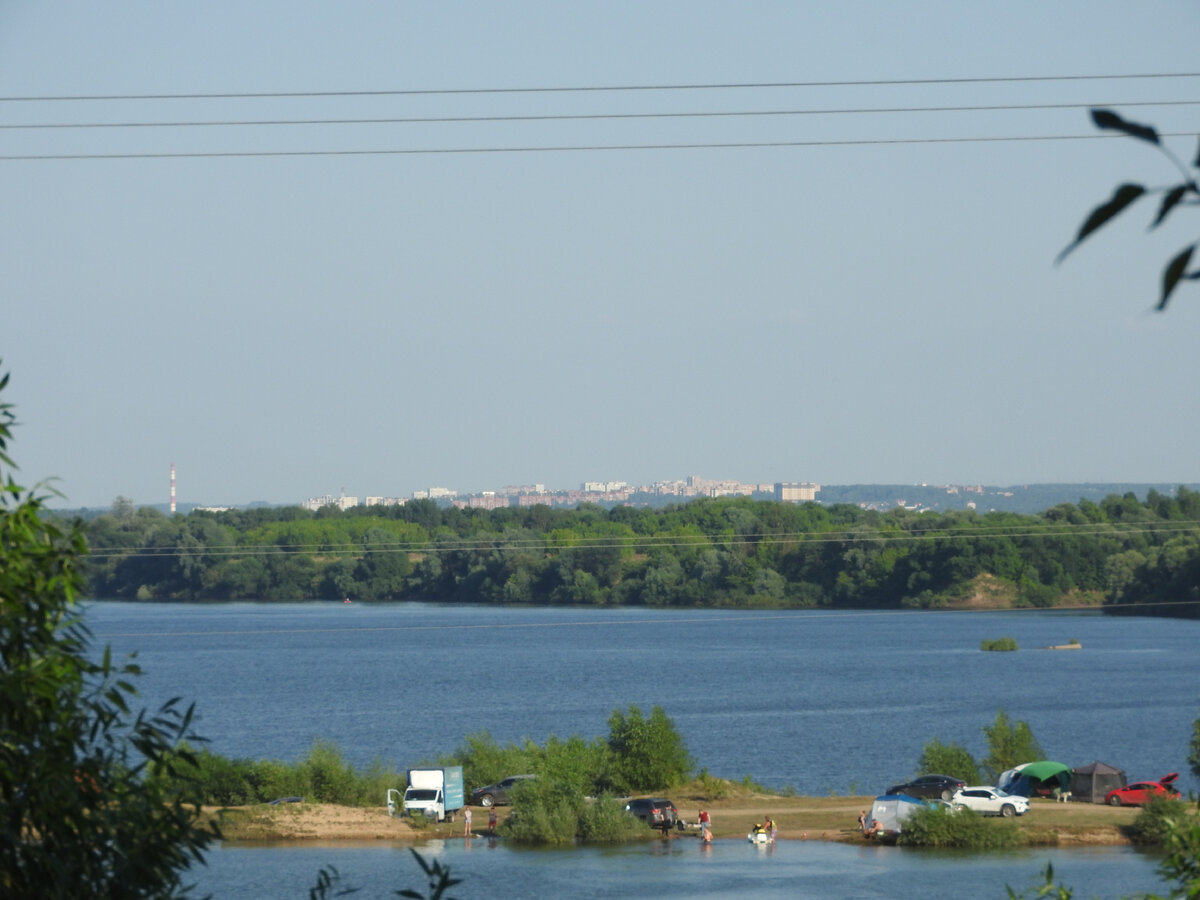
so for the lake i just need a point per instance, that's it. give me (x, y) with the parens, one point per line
(813, 701)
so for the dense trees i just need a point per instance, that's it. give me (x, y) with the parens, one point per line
(712, 552)
(91, 802)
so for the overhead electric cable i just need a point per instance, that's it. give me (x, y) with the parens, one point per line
(581, 117)
(578, 148)
(231, 95)
(1097, 530)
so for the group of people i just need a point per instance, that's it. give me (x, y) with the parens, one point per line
(867, 825)
(467, 821)
(767, 827)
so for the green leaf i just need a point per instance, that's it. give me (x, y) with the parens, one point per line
(1106, 118)
(1173, 272)
(1169, 202)
(1121, 198)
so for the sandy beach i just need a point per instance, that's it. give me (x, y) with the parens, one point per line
(798, 818)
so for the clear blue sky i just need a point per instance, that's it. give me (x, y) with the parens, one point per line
(283, 327)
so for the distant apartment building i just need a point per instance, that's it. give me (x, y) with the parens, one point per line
(603, 487)
(796, 491)
(487, 501)
(385, 501)
(341, 502)
(434, 493)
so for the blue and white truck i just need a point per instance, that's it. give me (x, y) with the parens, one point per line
(435, 793)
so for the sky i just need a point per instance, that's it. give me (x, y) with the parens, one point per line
(705, 258)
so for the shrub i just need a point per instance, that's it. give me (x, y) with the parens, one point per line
(647, 754)
(1153, 823)
(606, 822)
(543, 814)
(962, 828)
(1003, 644)
(949, 759)
(331, 779)
(711, 788)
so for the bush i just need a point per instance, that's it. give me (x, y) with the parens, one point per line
(961, 828)
(331, 779)
(1004, 643)
(606, 822)
(949, 759)
(647, 754)
(1153, 823)
(543, 814)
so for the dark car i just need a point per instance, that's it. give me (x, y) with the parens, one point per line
(929, 787)
(497, 794)
(657, 812)
(1143, 791)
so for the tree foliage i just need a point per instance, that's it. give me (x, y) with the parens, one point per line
(724, 552)
(91, 802)
(1185, 193)
(1009, 744)
(948, 759)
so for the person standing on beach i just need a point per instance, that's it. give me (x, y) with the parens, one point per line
(467, 821)
(492, 820)
(705, 826)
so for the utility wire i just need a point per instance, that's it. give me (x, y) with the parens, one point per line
(1098, 531)
(576, 148)
(257, 95)
(582, 117)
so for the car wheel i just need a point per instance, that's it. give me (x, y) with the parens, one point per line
(487, 800)
(1008, 810)
(1114, 800)
(946, 795)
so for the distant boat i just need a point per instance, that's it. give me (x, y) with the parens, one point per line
(347, 600)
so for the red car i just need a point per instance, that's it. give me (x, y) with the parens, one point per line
(1141, 791)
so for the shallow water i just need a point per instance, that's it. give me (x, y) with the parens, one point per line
(680, 868)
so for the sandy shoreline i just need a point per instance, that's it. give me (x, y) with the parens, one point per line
(798, 818)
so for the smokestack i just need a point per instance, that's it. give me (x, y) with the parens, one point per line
(172, 488)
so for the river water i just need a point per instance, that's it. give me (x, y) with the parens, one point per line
(813, 701)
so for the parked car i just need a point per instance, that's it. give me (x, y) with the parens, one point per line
(991, 801)
(1142, 791)
(497, 794)
(928, 786)
(656, 812)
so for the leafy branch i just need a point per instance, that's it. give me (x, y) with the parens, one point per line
(1186, 193)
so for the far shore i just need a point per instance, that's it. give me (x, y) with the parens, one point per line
(798, 818)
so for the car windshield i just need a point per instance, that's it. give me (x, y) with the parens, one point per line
(420, 794)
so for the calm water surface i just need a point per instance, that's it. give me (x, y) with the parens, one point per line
(816, 701)
(681, 869)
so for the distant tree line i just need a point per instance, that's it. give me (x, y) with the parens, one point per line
(1121, 552)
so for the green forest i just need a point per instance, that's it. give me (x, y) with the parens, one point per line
(1126, 554)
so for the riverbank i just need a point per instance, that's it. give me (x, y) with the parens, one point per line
(797, 818)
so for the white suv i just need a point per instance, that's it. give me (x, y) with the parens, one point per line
(991, 802)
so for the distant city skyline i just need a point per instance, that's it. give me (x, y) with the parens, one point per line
(470, 244)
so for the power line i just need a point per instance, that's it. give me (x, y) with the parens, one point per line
(582, 117)
(1104, 530)
(257, 95)
(576, 148)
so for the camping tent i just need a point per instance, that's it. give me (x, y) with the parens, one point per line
(1090, 783)
(1041, 777)
(890, 810)
(1009, 777)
